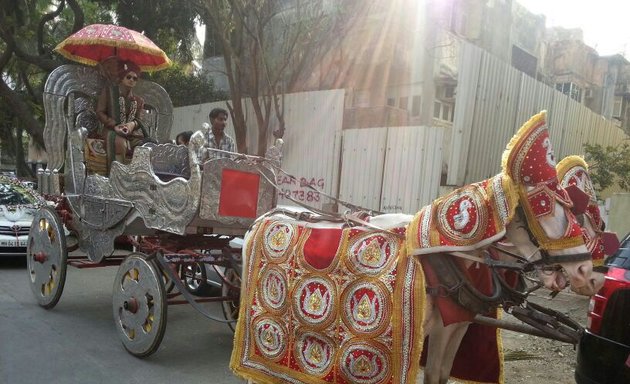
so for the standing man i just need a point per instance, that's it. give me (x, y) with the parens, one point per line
(217, 138)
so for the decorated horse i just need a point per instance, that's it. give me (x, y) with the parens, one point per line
(350, 300)
(479, 344)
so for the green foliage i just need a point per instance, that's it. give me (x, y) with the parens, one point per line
(609, 165)
(186, 88)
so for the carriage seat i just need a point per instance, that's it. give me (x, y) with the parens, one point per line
(169, 161)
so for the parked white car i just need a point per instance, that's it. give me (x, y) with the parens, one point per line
(18, 202)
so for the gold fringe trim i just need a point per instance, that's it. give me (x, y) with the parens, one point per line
(511, 194)
(418, 292)
(411, 232)
(522, 132)
(239, 337)
(60, 49)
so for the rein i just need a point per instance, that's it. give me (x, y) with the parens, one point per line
(352, 218)
(540, 321)
(454, 283)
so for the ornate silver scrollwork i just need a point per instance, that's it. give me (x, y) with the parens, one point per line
(168, 206)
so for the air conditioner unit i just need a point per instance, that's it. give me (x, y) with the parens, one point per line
(588, 94)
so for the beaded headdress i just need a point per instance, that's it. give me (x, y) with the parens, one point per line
(529, 160)
(573, 172)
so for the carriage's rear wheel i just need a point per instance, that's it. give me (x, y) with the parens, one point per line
(230, 287)
(46, 256)
(139, 304)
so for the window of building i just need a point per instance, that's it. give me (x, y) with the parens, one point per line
(523, 61)
(443, 110)
(391, 101)
(449, 91)
(570, 89)
(445, 91)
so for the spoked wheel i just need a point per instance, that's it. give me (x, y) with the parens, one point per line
(139, 304)
(230, 287)
(195, 278)
(46, 256)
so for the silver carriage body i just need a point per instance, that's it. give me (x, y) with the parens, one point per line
(165, 188)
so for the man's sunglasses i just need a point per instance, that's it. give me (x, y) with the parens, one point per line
(129, 77)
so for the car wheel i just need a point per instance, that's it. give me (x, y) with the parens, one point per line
(195, 278)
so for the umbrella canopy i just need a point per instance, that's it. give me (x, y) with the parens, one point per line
(96, 42)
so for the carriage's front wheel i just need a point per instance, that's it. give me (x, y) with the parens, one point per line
(230, 287)
(46, 257)
(139, 304)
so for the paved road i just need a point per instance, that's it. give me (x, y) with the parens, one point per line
(76, 342)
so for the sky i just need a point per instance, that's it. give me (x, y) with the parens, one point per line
(605, 23)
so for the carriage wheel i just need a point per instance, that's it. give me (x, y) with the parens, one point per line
(139, 304)
(46, 256)
(231, 284)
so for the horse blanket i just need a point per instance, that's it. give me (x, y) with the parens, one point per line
(319, 306)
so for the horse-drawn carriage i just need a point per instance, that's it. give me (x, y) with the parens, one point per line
(319, 301)
(170, 208)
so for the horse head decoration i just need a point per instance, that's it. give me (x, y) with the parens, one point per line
(574, 177)
(340, 301)
(530, 162)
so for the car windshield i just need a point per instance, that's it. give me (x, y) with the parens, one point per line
(621, 258)
(15, 195)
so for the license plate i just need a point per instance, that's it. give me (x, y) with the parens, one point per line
(13, 243)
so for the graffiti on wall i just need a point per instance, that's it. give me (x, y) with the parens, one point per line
(300, 188)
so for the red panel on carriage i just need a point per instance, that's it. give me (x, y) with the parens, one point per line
(239, 193)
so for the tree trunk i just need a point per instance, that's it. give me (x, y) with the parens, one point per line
(21, 169)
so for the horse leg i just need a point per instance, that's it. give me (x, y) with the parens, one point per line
(443, 344)
(456, 336)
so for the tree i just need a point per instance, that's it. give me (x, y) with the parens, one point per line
(186, 89)
(609, 165)
(30, 29)
(268, 47)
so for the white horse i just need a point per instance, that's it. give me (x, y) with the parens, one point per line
(448, 227)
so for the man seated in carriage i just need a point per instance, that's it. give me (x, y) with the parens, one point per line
(119, 110)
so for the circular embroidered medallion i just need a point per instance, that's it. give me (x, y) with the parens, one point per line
(463, 216)
(273, 289)
(313, 300)
(277, 240)
(372, 253)
(366, 306)
(364, 362)
(270, 338)
(314, 353)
